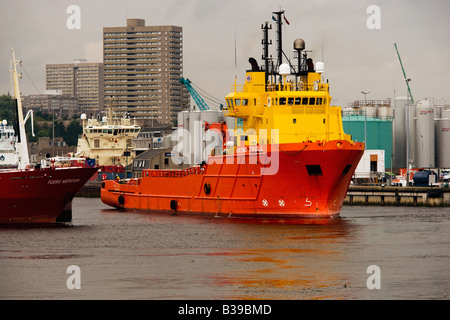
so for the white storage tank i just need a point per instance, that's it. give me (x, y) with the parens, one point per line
(195, 131)
(399, 114)
(370, 110)
(384, 112)
(425, 138)
(211, 116)
(442, 129)
(231, 122)
(348, 111)
(186, 152)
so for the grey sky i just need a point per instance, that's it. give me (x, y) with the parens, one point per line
(356, 58)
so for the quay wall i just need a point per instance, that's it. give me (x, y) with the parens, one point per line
(397, 196)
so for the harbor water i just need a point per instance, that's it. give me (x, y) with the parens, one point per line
(369, 252)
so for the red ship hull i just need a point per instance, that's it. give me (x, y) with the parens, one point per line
(39, 196)
(311, 180)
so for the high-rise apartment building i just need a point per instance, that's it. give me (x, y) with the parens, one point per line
(81, 80)
(143, 66)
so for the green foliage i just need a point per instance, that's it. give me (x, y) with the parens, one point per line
(7, 108)
(42, 123)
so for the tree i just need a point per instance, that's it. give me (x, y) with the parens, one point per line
(7, 108)
(42, 123)
(72, 131)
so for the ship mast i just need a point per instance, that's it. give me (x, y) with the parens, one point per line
(24, 160)
(279, 37)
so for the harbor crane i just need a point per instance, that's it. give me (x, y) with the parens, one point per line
(404, 74)
(201, 104)
(407, 80)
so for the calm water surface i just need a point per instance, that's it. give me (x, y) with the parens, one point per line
(135, 255)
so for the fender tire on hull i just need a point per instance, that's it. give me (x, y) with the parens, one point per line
(207, 188)
(174, 205)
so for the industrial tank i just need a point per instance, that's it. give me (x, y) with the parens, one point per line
(370, 110)
(384, 112)
(186, 151)
(425, 135)
(442, 130)
(400, 104)
(196, 135)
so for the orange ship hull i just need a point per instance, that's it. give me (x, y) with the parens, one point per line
(311, 179)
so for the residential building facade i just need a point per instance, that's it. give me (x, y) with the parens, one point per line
(81, 80)
(53, 102)
(142, 69)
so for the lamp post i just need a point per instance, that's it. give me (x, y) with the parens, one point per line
(365, 93)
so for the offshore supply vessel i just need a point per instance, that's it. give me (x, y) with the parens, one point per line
(287, 156)
(108, 143)
(42, 194)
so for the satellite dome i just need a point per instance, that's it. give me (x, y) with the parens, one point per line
(299, 44)
(284, 69)
(320, 67)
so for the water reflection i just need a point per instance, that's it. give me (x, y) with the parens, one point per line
(300, 261)
(142, 255)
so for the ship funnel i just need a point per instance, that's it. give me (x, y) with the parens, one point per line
(299, 44)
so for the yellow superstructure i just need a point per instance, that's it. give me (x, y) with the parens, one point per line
(299, 109)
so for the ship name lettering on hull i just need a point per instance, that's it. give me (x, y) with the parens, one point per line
(63, 181)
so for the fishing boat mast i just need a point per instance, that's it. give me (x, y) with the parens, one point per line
(24, 160)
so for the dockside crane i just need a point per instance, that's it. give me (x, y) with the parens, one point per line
(407, 80)
(201, 104)
(404, 74)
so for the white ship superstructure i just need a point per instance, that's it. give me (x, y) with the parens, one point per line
(9, 156)
(108, 140)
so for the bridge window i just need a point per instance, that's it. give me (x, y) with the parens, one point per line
(237, 102)
(312, 101)
(290, 101)
(304, 101)
(282, 101)
(298, 101)
(245, 102)
(319, 101)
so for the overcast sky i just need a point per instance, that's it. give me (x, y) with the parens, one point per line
(356, 58)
